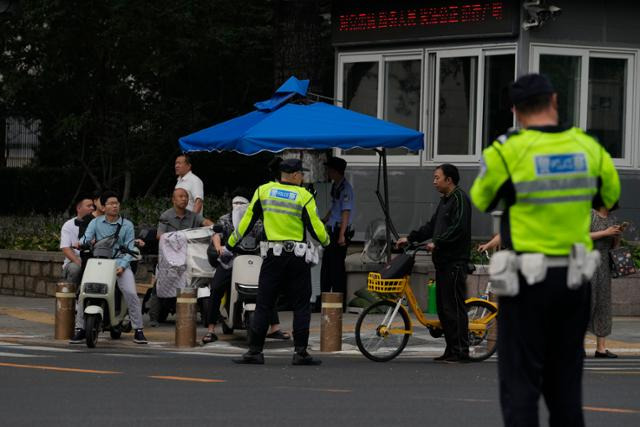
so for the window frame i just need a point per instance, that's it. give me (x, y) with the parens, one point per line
(631, 130)
(428, 96)
(481, 52)
(382, 57)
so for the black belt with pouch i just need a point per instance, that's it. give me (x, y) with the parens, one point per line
(335, 231)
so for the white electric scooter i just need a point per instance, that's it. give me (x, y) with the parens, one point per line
(102, 301)
(240, 306)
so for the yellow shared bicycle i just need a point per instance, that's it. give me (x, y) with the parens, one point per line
(383, 329)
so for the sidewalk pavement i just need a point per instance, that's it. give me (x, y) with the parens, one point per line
(31, 320)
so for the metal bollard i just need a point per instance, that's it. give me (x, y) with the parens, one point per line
(65, 310)
(331, 324)
(186, 317)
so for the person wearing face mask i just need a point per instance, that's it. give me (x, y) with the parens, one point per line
(221, 282)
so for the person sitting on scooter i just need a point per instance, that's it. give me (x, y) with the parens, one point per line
(69, 237)
(221, 282)
(176, 218)
(106, 226)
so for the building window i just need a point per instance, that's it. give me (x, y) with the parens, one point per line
(361, 87)
(606, 106)
(402, 96)
(471, 101)
(456, 107)
(565, 72)
(22, 139)
(498, 74)
(386, 86)
(458, 97)
(601, 82)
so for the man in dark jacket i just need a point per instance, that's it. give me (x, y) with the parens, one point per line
(450, 232)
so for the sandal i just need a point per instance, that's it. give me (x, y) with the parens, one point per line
(279, 335)
(209, 337)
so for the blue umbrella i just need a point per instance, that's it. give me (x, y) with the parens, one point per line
(284, 123)
(280, 123)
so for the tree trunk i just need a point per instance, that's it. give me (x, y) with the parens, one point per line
(127, 185)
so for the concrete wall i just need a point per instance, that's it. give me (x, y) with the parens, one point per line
(30, 273)
(36, 273)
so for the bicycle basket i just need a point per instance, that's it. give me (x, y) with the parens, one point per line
(376, 283)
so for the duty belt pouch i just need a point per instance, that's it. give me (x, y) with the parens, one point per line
(264, 248)
(311, 255)
(289, 246)
(503, 273)
(582, 265)
(533, 267)
(277, 249)
(300, 249)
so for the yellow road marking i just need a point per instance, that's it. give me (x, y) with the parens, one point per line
(612, 410)
(197, 380)
(57, 368)
(30, 315)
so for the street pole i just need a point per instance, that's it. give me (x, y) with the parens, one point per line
(65, 310)
(186, 317)
(331, 325)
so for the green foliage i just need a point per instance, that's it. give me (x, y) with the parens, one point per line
(42, 232)
(477, 257)
(38, 233)
(116, 83)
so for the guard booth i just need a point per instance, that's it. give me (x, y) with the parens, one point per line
(444, 68)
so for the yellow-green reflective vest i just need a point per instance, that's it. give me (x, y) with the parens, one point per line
(286, 210)
(549, 178)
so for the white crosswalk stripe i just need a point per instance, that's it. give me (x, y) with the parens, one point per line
(20, 355)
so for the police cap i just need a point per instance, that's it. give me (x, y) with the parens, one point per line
(528, 86)
(291, 166)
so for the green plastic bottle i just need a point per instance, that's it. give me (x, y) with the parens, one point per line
(431, 303)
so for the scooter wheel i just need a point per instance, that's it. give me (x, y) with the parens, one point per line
(92, 329)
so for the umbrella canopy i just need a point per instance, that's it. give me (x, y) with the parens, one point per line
(281, 124)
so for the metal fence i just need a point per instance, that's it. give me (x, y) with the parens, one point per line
(21, 141)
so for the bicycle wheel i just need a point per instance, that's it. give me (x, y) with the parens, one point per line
(378, 337)
(482, 344)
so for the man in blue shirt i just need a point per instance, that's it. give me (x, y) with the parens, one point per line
(98, 229)
(333, 277)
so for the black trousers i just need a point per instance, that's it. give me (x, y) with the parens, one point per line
(540, 348)
(451, 290)
(289, 274)
(333, 276)
(220, 284)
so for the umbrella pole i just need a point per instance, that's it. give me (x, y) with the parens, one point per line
(387, 217)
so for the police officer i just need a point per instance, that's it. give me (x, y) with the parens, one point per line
(548, 177)
(338, 220)
(288, 212)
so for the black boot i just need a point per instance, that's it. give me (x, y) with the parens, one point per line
(302, 358)
(250, 358)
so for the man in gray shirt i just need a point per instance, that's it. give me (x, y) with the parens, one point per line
(174, 219)
(179, 217)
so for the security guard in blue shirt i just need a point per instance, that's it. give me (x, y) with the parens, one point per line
(288, 212)
(548, 177)
(333, 276)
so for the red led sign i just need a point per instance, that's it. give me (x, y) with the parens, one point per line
(357, 22)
